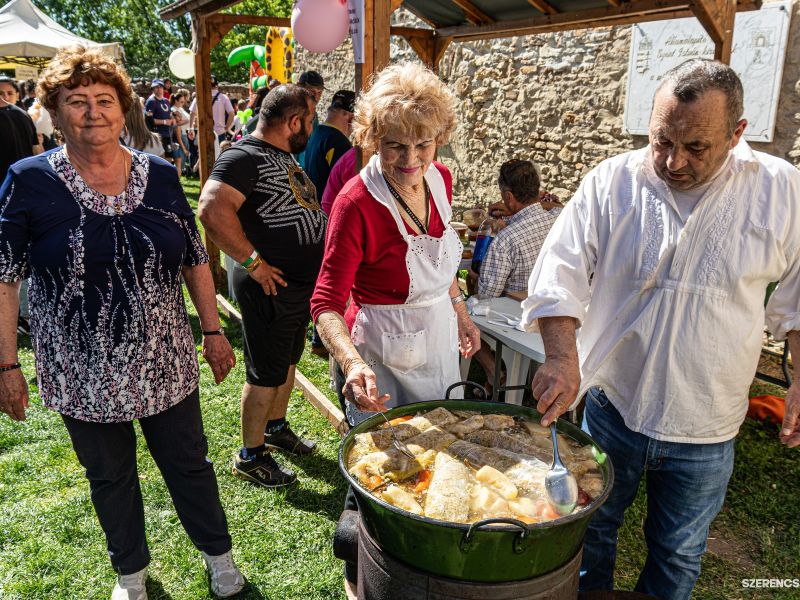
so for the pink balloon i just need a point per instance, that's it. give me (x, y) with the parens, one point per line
(320, 25)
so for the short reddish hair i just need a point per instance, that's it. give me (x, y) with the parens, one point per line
(79, 65)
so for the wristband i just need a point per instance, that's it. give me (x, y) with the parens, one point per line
(254, 265)
(10, 367)
(219, 331)
(456, 299)
(249, 260)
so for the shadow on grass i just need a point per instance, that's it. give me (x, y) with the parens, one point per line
(319, 468)
(250, 591)
(156, 591)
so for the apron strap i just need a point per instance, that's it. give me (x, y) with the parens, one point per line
(435, 182)
(372, 176)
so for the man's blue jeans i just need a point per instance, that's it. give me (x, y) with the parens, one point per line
(686, 486)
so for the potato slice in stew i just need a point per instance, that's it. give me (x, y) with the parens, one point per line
(498, 482)
(397, 496)
(485, 503)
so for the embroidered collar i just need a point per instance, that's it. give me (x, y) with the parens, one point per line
(93, 200)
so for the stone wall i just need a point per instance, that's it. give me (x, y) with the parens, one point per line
(556, 98)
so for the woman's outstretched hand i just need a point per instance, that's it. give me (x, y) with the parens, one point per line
(360, 388)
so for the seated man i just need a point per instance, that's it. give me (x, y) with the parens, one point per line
(510, 258)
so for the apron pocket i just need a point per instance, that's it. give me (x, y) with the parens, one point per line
(404, 352)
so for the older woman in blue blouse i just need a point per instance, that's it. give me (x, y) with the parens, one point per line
(105, 234)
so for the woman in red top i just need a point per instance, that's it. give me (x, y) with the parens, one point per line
(390, 247)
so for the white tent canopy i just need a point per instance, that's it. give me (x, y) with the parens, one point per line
(27, 33)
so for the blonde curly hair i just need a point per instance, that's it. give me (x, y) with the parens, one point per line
(405, 98)
(79, 65)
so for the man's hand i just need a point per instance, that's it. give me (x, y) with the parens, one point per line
(555, 386)
(556, 383)
(498, 210)
(790, 431)
(361, 389)
(269, 277)
(219, 355)
(13, 394)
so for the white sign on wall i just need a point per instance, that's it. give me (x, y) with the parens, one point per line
(759, 48)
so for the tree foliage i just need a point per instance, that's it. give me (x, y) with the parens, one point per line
(148, 40)
(242, 35)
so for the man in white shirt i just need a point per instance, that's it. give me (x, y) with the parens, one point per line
(663, 258)
(221, 111)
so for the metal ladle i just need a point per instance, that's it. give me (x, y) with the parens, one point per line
(559, 483)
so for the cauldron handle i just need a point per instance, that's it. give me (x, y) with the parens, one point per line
(466, 539)
(464, 383)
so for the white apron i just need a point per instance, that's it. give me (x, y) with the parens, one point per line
(413, 347)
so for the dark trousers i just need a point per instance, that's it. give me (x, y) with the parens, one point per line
(193, 152)
(178, 445)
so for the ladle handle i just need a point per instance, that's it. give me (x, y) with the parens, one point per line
(554, 437)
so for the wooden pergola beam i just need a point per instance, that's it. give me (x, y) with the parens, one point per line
(396, 4)
(473, 13)
(545, 8)
(421, 16)
(426, 44)
(717, 18)
(225, 19)
(708, 13)
(194, 7)
(629, 12)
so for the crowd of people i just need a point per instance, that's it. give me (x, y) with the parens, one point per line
(659, 262)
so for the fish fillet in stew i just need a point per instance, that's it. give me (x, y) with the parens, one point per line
(448, 494)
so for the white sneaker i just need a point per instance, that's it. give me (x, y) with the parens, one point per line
(131, 587)
(226, 579)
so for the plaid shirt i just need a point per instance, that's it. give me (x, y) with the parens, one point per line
(509, 261)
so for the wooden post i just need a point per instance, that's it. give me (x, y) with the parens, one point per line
(206, 36)
(722, 50)
(377, 25)
(205, 127)
(382, 21)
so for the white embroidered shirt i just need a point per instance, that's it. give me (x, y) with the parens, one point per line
(672, 313)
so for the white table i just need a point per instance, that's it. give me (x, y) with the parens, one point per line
(518, 347)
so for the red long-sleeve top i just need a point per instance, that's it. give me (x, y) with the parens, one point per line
(365, 255)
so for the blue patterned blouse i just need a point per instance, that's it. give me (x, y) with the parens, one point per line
(109, 325)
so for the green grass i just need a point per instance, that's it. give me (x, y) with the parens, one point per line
(51, 546)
